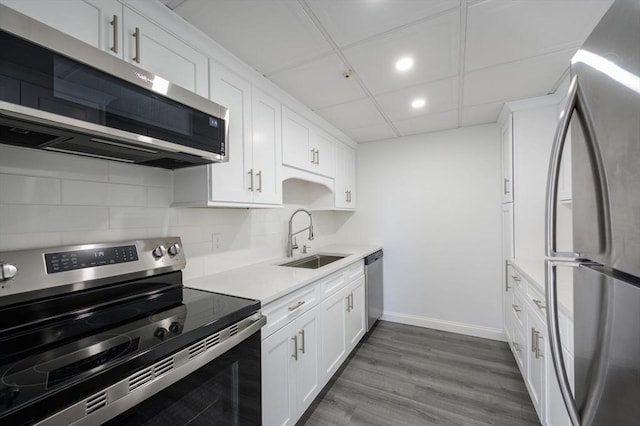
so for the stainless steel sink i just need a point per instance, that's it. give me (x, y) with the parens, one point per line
(313, 262)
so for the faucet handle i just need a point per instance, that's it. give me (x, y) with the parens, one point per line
(304, 249)
(294, 245)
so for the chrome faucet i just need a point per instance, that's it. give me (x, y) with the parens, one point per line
(292, 244)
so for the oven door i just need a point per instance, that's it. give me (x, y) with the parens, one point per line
(226, 391)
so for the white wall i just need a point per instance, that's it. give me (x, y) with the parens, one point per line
(433, 201)
(50, 199)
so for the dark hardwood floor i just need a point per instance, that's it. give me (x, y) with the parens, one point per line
(402, 375)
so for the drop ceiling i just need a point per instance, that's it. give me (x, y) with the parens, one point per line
(469, 56)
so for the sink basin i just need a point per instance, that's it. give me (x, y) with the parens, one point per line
(313, 262)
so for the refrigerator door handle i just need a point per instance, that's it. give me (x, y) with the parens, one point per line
(554, 334)
(575, 102)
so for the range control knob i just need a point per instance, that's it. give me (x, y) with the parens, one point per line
(161, 333)
(174, 249)
(175, 327)
(7, 271)
(159, 251)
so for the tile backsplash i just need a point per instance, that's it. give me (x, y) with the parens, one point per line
(50, 199)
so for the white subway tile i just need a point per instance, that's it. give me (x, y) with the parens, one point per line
(102, 235)
(141, 217)
(25, 241)
(140, 175)
(159, 197)
(159, 232)
(15, 189)
(200, 216)
(77, 192)
(17, 218)
(31, 162)
(127, 195)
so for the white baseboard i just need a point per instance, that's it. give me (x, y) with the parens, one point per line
(454, 327)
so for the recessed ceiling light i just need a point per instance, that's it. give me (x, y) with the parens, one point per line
(404, 64)
(418, 103)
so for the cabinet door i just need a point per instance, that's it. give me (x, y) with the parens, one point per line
(507, 161)
(230, 180)
(307, 365)
(334, 325)
(152, 48)
(322, 153)
(344, 188)
(536, 368)
(267, 149)
(356, 314)
(88, 20)
(295, 140)
(278, 378)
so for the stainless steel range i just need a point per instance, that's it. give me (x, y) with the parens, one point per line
(89, 331)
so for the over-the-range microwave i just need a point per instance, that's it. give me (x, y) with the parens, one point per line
(60, 94)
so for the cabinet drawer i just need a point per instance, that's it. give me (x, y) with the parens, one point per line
(280, 312)
(538, 301)
(353, 272)
(515, 279)
(517, 312)
(519, 347)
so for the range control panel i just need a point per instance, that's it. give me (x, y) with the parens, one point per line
(88, 258)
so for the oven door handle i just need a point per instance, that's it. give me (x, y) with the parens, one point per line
(126, 393)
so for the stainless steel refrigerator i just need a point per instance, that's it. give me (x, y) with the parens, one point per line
(603, 109)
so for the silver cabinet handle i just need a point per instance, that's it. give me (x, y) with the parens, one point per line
(136, 35)
(538, 352)
(540, 304)
(516, 308)
(346, 196)
(313, 156)
(505, 189)
(348, 304)
(114, 24)
(259, 176)
(351, 300)
(533, 339)
(296, 306)
(302, 336)
(295, 347)
(515, 278)
(318, 157)
(507, 287)
(250, 173)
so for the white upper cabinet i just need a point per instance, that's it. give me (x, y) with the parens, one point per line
(266, 149)
(116, 29)
(345, 177)
(152, 48)
(96, 22)
(251, 175)
(230, 180)
(507, 161)
(304, 146)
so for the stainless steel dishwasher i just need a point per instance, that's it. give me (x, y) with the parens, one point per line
(373, 284)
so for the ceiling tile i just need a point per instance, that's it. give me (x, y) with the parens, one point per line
(373, 16)
(428, 123)
(371, 133)
(268, 35)
(319, 83)
(352, 115)
(433, 45)
(481, 114)
(440, 96)
(530, 77)
(501, 31)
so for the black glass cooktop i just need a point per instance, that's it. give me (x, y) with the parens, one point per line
(48, 366)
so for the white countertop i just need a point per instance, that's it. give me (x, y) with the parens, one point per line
(267, 281)
(534, 271)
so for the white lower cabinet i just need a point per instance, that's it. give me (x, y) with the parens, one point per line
(305, 341)
(526, 329)
(290, 375)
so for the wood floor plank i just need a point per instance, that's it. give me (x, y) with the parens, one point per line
(403, 375)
